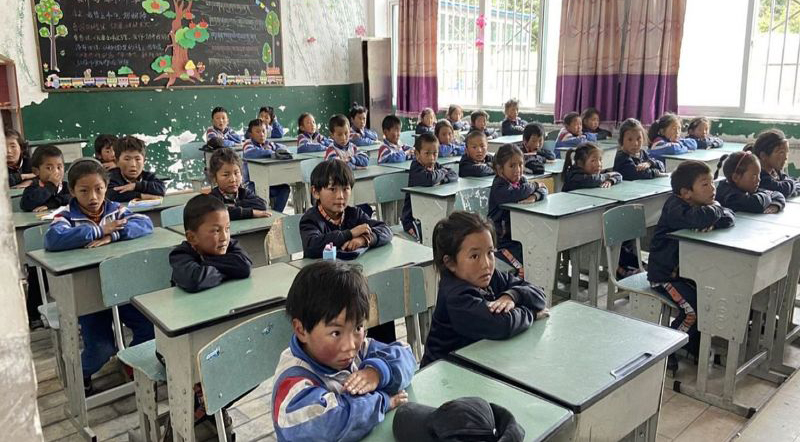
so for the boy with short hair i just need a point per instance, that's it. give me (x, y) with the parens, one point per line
(480, 120)
(476, 162)
(219, 134)
(571, 135)
(129, 180)
(424, 171)
(342, 148)
(48, 190)
(258, 146)
(512, 125)
(449, 146)
(104, 150)
(332, 382)
(691, 206)
(391, 151)
(535, 155)
(208, 256)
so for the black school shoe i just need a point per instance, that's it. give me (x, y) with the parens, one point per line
(672, 364)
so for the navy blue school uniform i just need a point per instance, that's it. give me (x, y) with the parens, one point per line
(576, 178)
(489, 132)
(534, 162)
(363, 137)
(242, 204)
(462, 317)
(626, 166)
(459, 125)
(15, 173)
(512, 127)
(317, 230)
(708, 142)
(44, 194)
(252, 149)
(418, 175)
(738, 200)
(599, 133)
(662, 268)
(146, 183)
(194, 272)
(467, 167)
(781, 182)
(450, 150)
(315, 142)
(423, 129)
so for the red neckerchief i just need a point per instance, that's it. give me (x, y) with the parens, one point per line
(328, 217)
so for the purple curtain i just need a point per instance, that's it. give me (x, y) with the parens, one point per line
(417, 85)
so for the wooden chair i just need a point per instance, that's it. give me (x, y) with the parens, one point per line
(399, 293)
(172, 216)
(283, 239)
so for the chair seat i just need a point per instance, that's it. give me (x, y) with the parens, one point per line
(397, 230)
(142, 357)
(638, 283)
(49, 312)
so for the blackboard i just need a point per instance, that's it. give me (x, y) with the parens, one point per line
(101, 44)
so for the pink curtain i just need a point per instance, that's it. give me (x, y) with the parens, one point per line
(417, 85)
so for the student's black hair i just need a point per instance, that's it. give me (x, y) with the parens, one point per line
(253, 123)
(696, 121)
(579, 154)
(473, 134)
(441, 124)
(23, 145)
(570, 117)
(628, 125)
(128, 144)
(735, 163)
(217, 110)
(328, 172)
(685, 175)
(197, 208)
(532, 129)
(83, 167)
(505, 153)
(767, 142)
(356, 109)
(453, 108)
(473, 117)
(449, 233)
(337, 120)
(390, 122)
(102, 141)
(43, 152)
(587, 113)
(513, 102)
(426, 111)
(223, 156)
(270, 110)
(322, 290)
(662, 123)
(425, 138)
(300, 120)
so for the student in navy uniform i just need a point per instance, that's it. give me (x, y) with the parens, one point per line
(455, 115)
(698, 130)
(18, 160)
(535, 155)
(219, 134)
(104, 150)
(426, 121)
(48, 190)
(391, 151)
(448, 145)
(424, 171)
(308, 138)
(739, 191)
(258, 146)
(476, 161)
(226, 171)
(359, 134)
(475, 301)
(129, 180)
(208, 256)
(572, 134)
(274, 128)
(631, 161)
(590, 120)
(772, 150)
(512, 124)
(665, 137)
(480, 122)
(343, 147)
(582, 169)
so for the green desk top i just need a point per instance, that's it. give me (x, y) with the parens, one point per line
(624, 191)
(284, 139)
(68, 261)
(373, 171)
(731, 147)
(406, 165)
(56, 142)
(561, 204)
(170, 200)
(450, 189)
(443, 381)
(789, 216)
(15, 192)
(577, 356)
(398, 253)
(508, 139)
(601, 144)
(664, 181)
(23, 220)
(242, 226)
(747, 236)
(699, 155)
(295, 157)
(176, 312)
(374, 147)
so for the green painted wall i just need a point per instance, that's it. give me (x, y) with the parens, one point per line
(171, 113)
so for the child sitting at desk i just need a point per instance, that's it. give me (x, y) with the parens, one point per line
(48, 190)
(308, 138)
(535, 155)
(342, 148)
(480, 121)
(448, 145)
(631, 161)
(698, 131)
(665, 137)
(267, 115)
(512, 124)
(590, 120)
(219, 134)
(360, 135)
(740, 192)
(209, 256)
(582, 169)
(89, 221)
(475, 301)
(691, 206)
(772, 150)
(104, 150)
(18, 160)
(476, 162)
(571, 135)
(332, 382)
(129, 180)
(510, 186)
(426, 120)
(391, 151)
(455, 114)
(424, 171)
(226, 171)
(258, 146)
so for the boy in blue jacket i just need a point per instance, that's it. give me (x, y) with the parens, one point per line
(391, 150)
(219, 134)
(333, 382)
(360, 135)
(342, 148)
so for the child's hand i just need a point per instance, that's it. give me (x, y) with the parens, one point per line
(707, 229)
(147, 196)
(99, 242)
(606, 184)
(772, 208)
(397, 400)
(660, 174)
(531, 199)
(40, 209)
(25, 183)
(544, 313)
(28, 176)
(113, 226)
(125, 187)
(109, 165)
(503, 304)
(362, 381)
(643, 166)
(361, 230)
(261, 214)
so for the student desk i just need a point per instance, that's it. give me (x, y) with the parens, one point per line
(265, 172)
(443, 381)
(731, 266)
(21, 221)
(208, 151)
(74, 281)
(430, 204)
(562, 221)
(731, 147)
(186, 322)
(555, 168)
(606, 368)
(72, 148)
(495, 144)
(406, 165)
(708, 156)
(250, 233)
(652, 197)
(287, 141)
(364, 188)
(15, 192)
(169, 200)
(609, 152)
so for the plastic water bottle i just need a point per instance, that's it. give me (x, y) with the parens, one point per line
(329, 253)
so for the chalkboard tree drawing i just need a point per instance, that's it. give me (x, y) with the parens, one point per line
(178, 65)
(273, 24)
(49, 13)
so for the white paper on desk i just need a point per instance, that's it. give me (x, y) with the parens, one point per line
(144, 203)
(48, 215)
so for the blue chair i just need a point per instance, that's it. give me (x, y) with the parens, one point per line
(399, 293)
(302, 199)
(389, 195)
(15, 204)
(407, 137)
(172, 216)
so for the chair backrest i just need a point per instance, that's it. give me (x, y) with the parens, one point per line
(552, 135)
(34, 237)
(242, 358)
(136, 273)
(623, 223)
(307, 166)
(407, 137)
(473, 200)
(390, 187)
(16, 204)
(283, 239)
(550, 146)
(172, 216)
(793, 171)
(191, 151)
(396, 293)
